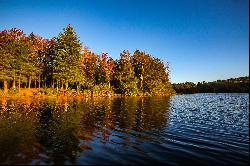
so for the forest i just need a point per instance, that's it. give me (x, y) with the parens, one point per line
(232, 85)
(63, 65)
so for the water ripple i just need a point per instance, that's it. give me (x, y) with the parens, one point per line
(186, 129)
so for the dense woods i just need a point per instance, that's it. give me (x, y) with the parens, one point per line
(232, 85)
(62, 63)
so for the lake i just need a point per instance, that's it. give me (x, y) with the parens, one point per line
(184, 129)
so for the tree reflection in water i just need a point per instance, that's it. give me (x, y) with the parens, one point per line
(62, 131)
(17, 132)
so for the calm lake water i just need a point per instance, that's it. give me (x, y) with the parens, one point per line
(187, 129)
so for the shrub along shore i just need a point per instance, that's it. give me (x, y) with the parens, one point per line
(69, 93)
(61, 66)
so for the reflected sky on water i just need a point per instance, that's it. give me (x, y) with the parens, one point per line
(197, 128)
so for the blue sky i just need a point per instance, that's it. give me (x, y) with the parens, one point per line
(203, 40)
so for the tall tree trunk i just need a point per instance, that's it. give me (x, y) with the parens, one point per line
(61, 84)
(19, 82)
(77, 88)
(5, 87)
(57, 85)
(14, 83)
(66, 85)
(29, 82)
(44, 83)
(39, 81)
(35, 84)
(141, 81)
(53, 84)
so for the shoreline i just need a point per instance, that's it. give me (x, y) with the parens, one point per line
(40, 93)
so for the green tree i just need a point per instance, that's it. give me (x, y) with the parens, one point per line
(6, 54)
(14, 56)
(67, 56)
(124, 79)
(153, 75)
(232, 85)
(35, 60)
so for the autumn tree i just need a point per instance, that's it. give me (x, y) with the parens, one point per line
(45, 62)
(13, 54)
(62, 60)
(89, 64)
(125, 81)
(139, 62)
(152, 73)
(106, 68)
(35, 60)
(6, 54)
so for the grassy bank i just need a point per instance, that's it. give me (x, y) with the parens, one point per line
(50, 92)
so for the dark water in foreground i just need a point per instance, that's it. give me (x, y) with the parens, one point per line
(189, 129)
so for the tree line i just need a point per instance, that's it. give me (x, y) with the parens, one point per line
(63, 63)
(232, 85)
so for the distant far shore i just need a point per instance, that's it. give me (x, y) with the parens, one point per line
(232, 85)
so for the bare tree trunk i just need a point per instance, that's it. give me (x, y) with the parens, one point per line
(35, 83)
(39, 81)
(141, 82)
(29, 82)
(66, 85)
(53, 84)
(57, 85)
(44, 83)
(5, 87)
(19, 83)
(14, 83)
(77, 88)
(61, 84)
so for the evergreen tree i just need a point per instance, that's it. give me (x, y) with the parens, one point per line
(46, 62)
(34, 65)
(66, 55)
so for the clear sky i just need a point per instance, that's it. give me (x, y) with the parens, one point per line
(203, 40)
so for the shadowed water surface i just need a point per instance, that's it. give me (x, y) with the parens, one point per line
(188, 129)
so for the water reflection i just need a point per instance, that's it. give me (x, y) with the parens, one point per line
(17, 133)
(62, 131)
